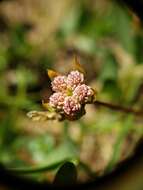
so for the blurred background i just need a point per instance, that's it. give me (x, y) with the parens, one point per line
(39, 35)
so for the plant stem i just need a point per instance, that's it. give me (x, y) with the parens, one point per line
(119, 108)
(65, 132)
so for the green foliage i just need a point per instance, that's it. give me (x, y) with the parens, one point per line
(124, 131)
(95, 32)
(66, 175)
(53, 159)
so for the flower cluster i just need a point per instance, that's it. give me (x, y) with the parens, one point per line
(70, 94)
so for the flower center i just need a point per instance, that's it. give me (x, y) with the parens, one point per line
(69, 92)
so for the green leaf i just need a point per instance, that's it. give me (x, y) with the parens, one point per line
(109, 69)
(66, 175)
(62, 153)
(125, 128)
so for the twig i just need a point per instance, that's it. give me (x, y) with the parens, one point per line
(119, 108)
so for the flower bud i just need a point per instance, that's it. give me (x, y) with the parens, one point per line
(71, 106)
(56, 100)
(59, 84)
(83, 93)
(74, 79)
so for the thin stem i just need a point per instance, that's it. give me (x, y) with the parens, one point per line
(65, 132)
(119, 108)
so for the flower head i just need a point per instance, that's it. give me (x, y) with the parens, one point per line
(56, 100)
(59, 84)
(83, 93)
(71, 106)
(74, 79)
(70, 95)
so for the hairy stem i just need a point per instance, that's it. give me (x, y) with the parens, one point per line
(119, 108)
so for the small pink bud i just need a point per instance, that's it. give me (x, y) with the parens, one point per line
(74, 79)
(83, 93)
(71, 106)
(59, 84)
(56, 100)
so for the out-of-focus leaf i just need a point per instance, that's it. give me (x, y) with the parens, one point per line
(24, 77)
(19, 46)
(3, 59)
(111, 91)
(64, 152)
(139, 47)
(71, 21)
(38, 147)
(66, 175)
(130, 79)
(122, 31)
(124, 130)
(7, 132)
(7, 135)
(85, 44)
(109, 69)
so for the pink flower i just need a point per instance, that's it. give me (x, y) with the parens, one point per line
(59, 84)
(74, 79)
(56, 100)
(83, 93)
(71, 95)
(71, 106)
